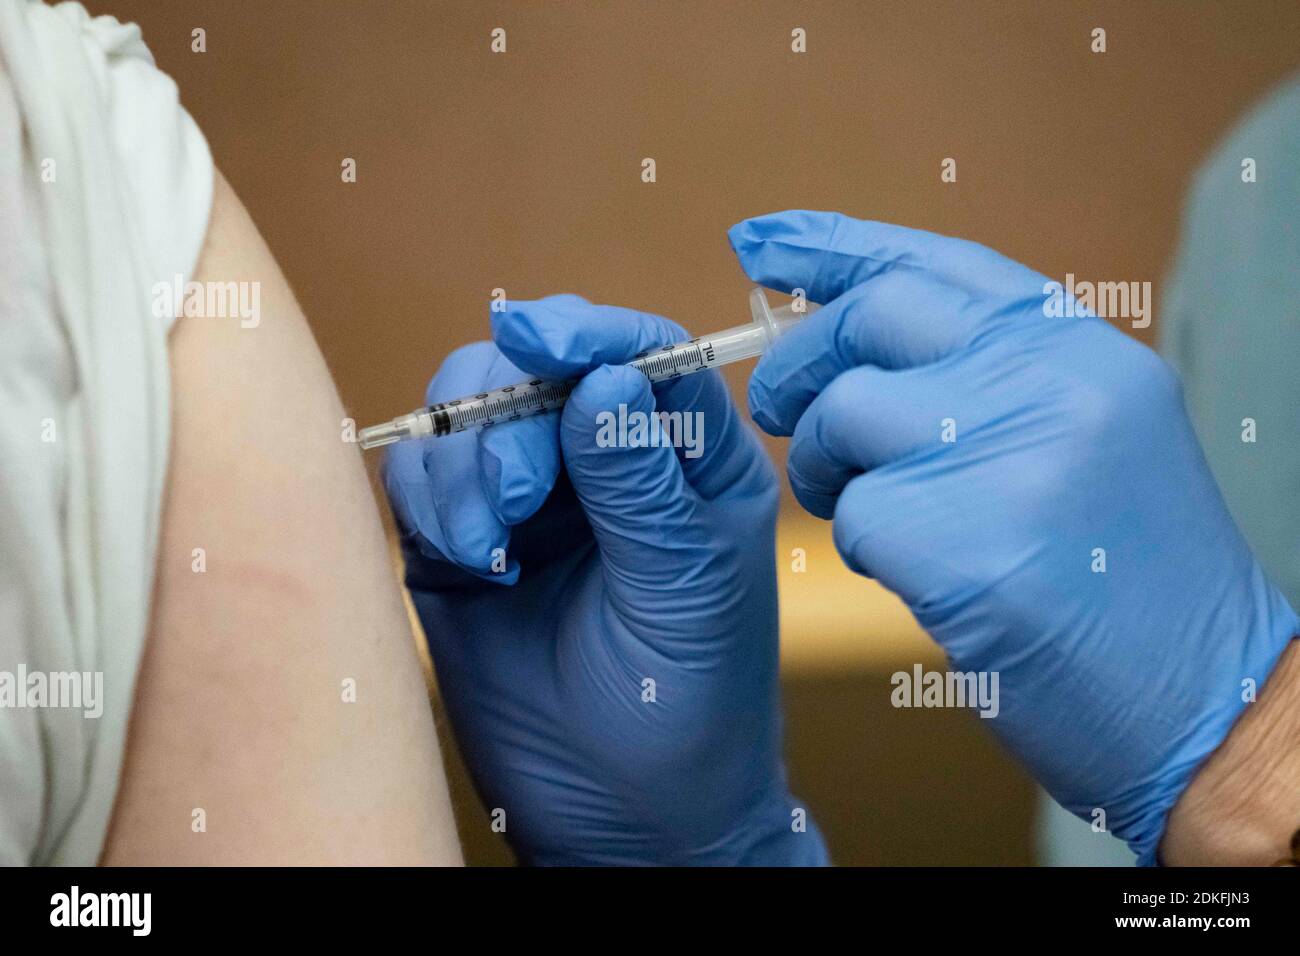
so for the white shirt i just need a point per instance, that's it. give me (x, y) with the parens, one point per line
(105, 189)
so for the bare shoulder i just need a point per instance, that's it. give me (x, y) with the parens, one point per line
(280, 714)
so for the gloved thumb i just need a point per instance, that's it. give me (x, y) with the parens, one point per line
(629, 482)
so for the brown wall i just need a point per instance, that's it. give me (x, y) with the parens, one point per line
(522, 171)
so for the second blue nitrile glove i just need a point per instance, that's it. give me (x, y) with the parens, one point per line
(602, 610)
(1030, 485)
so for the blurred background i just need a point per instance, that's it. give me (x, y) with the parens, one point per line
(522, 170)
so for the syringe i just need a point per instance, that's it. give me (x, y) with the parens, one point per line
(513, 402)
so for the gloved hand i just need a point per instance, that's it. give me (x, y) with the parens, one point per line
(1070, 453)
(612, 681)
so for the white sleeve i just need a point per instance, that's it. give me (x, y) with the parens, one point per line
(105, 189)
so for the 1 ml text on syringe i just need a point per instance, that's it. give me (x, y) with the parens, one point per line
(524, 399)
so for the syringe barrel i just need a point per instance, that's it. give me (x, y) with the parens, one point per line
(523, 399)
(747, 341)
(733, 345)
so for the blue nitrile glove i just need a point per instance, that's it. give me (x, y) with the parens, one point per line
(618, 700)
(1070, 440)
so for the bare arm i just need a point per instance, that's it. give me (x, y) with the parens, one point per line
(242, 708)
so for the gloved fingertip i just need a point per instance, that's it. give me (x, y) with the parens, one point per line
(472, 536)
(759, 398)
(514, 489)
(741, 236)
(767, 246)
(747, 240)
(513, 326)
(815, 503)
(462, 371)
(597, 430)
(527, 312)
(400, 462)
(756, 230)
(411, 510)
(407, 486)
(607, 387)
(477, 551)
(529, 332)
(508, 578)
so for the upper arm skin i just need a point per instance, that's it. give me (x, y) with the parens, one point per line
(240, 708)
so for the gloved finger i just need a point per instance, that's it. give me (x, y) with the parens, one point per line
(520, 459)
(865, 418)
(860, 527)
(827, 253)
(406, 479)
(720, 454)
(873, 542)
(520, 463)
(564, 336)
(641, 510)
(897, 320)
(472, 535)
(416, 509)
(411, 496)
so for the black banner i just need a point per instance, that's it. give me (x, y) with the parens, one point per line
(925, 905)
